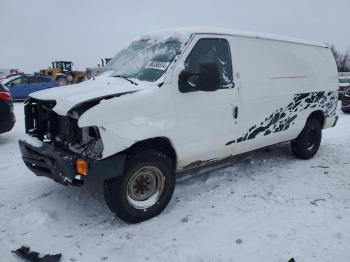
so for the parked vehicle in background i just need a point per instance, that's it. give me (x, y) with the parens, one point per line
(61, 71)
(345, 102)
(344, 83)
(94, 71)
(7, 117)
(341, 74)
(177, 100)
(7, 73)
(22, 85)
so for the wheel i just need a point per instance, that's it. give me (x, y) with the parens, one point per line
(62, 81)
(144, 189)
(307, 143)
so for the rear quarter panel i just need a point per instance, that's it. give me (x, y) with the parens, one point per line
(277, 82)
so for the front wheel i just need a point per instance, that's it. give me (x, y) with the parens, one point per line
(308, 142)
(145, 188)
(62, 81)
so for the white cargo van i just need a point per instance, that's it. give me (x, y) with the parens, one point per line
(176, 100)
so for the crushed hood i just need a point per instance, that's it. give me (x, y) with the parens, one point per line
(67, 97)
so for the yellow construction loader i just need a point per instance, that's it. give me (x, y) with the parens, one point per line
(61, 71)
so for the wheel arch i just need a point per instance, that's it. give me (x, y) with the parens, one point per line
(318, 115)
(162, 144)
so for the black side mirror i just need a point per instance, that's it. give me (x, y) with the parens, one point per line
(209, 77)
(184, 84)
(12, 85)
(207, 80)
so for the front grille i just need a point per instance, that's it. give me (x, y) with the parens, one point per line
(63, 129)
(48, 126)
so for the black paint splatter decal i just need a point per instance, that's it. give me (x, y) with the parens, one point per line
(283, 118)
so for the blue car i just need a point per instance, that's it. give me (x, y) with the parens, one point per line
(22, 85)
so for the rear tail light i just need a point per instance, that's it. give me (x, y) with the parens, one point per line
(6, 96)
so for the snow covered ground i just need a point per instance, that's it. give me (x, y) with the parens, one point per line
(264, 206)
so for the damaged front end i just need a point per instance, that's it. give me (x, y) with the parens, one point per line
(61, 131)
(63, 143)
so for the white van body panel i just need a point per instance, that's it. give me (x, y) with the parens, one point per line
(271, 74)
(278, 81)
(205, 119)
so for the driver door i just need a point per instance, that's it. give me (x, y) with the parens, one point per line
(17, 87)
(206, 119)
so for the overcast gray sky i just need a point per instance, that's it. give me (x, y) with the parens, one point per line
(35, 32)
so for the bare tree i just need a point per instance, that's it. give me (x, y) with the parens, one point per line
(342, 60)
(336, 53)
(345, 63)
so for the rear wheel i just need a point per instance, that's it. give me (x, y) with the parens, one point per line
(308, 142)
(145, 188)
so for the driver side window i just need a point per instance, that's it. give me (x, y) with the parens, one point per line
(213, 50)
(15, 82)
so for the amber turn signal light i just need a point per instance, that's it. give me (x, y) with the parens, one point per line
(82, 167)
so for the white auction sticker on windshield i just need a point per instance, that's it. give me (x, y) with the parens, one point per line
(157, 65)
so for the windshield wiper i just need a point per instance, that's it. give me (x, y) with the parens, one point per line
(127, 79)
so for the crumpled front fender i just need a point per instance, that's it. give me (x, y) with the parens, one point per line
(124, 120)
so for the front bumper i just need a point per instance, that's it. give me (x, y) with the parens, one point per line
(346, 108)
(345, 103)
(59, 164)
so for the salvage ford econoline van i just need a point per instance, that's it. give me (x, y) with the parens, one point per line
(176, 100)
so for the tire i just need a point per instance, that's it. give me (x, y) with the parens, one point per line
(145, 188)
(62, 81)
(308, 142)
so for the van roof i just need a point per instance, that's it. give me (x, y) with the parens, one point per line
(224, 31)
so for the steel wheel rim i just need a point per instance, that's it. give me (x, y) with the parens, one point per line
(145, 187)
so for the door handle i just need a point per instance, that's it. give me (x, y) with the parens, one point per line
(235, 112)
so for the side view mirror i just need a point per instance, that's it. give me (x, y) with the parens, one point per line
(12, 85)
(207, 80)
(185, 85)
(209, 77)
